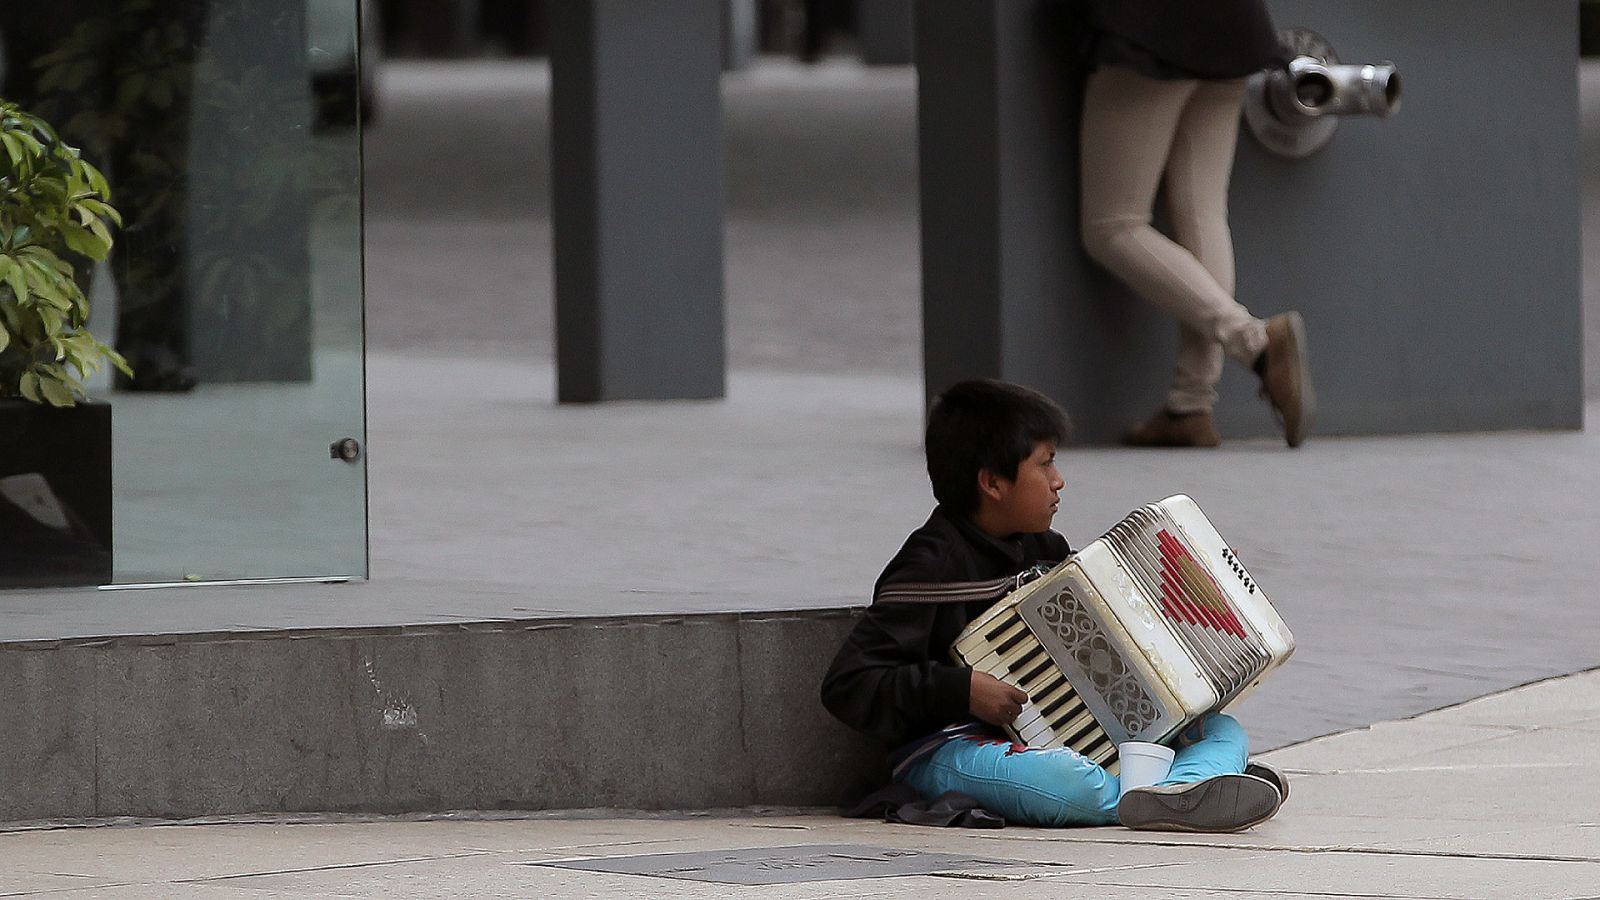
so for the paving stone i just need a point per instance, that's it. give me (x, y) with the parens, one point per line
(794, 864)
(1574, 700)
(21, 880)
(159, 890)
(1510, 794)
(1565, 841)
(1375, 745)
(1368, 874)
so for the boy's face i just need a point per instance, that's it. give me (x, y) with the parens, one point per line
(1027, 503)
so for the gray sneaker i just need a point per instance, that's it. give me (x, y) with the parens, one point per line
(1221, 803)
(1270, 773)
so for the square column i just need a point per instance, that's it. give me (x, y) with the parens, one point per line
(885, 30)
(1002, 278)
(637, 166)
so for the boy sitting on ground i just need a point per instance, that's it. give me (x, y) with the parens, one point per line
(991, 449)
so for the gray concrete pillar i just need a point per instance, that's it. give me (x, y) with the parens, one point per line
(1435, 255)
(741, 33)
(885, 28)
(636, 160)
(995, 101)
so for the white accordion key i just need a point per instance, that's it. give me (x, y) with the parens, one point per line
(1035, 733)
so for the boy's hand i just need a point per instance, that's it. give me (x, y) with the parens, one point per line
(994, 701)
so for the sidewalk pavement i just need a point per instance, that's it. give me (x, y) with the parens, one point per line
(1495, 798)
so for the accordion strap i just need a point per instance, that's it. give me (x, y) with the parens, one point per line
(942, 592)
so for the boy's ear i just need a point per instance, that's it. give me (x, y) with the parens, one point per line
(989, 484)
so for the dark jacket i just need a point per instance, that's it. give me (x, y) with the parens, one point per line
(1208, 39)
(894, 679)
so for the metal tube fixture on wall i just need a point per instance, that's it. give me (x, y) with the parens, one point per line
(1294, 111)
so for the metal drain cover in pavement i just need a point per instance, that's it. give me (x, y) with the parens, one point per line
(790, 865)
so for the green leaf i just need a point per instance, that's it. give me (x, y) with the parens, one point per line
(56, 393)
(100, 231)
(29, 387)
(90, 206)
(13, 148)
(116, 358)
(49, 285)
(31, 142)
(84, 241)
(47, 257)
(17, 280)
(49, 318)
(98, 183)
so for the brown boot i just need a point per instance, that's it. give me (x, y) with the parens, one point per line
(1286, 376)
(1169, 429)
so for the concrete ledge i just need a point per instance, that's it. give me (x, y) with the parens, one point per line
(649, 712)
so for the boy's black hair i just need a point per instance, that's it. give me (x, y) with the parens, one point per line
(986, 424)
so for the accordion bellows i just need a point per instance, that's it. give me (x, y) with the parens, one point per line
(1142, 632)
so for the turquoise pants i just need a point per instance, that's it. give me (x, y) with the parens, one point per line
(1056, 787)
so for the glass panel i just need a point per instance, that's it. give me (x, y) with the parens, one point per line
(227, 132)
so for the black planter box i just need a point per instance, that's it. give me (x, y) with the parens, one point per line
(55, 494)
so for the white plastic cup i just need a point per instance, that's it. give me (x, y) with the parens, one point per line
(1143, 764)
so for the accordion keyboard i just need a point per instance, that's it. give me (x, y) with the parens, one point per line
(1054, 716)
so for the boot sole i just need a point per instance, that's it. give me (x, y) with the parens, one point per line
(1294, 433)
(1219, 805)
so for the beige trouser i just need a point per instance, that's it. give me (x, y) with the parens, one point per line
(1138, 132)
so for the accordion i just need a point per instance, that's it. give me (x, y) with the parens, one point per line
(1136, 636)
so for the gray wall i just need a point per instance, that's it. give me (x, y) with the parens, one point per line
(1435, 255)
(645, 712)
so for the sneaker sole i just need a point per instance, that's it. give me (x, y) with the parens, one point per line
(1214, 806)
(1268, 773)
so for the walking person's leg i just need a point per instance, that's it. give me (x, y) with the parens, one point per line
(1130, 123)
(1132, 128)
(1199, 167)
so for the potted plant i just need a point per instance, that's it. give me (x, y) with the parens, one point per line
(55, 446)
